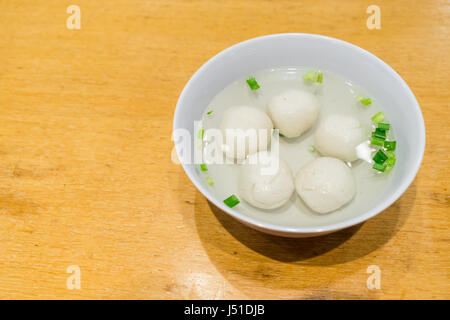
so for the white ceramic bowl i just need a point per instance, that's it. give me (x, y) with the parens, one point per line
(319, 52)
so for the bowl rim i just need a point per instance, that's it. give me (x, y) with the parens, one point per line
(308, 229)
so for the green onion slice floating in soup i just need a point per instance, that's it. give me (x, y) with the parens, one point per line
(313, 76)
(390, 145)
(231, 201)
(253, 84)
(384, 126)
(364, 101)
(380, 157)
(320, 77)
(209, 181)
(379, 167)
(377, 142)
(379, 134)
(379, 117)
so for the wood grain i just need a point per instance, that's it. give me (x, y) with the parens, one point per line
(85, 171)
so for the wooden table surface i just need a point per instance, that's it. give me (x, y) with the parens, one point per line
(85, 172)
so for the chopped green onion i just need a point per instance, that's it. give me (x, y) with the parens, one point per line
(204, 167)
(384, 126)
(313, 76)
(390, 154)
(364, 101)
(380, 157)
(209, 112)
(310, 76)
(312, 148)
(374, 136)
(377, 142)
(209, 181)
(201, 133)
(253, 83)
(320, 77)
(231, 201)
(390, 162)
(379, 133)
(379, 167)
(379, 117)
(390, 145)
(391, 159)
(384, 161)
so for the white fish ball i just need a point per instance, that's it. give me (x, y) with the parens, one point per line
(293, 112)
(338, 136)
(325, 184)
(265, 190)
(255, 126)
